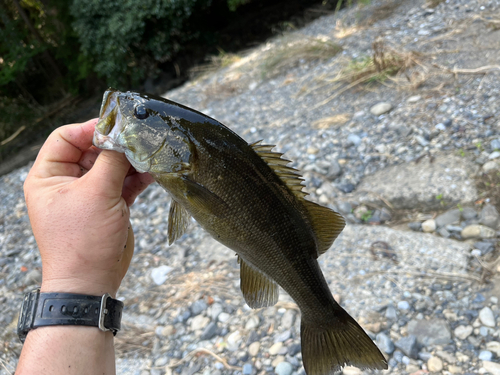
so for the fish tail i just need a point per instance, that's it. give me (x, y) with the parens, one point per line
(338, 342)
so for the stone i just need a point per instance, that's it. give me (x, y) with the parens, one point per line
(408, 345)
(288, 319)
(446, 356)
(486, 317)
(417, 185)
(495, 144)
(344, 207)
(253, 348)
(477, 231)
(385, 343)
(494, 346)
(33, 277)
(199, 322)
(494, 155)
(380, 108)
(209, 331)
(462, 332)
(403, 305)
(415, 226)
(160, 274)
(468, 213)
(167, 330)
(489, 216)
(485, 355)
(391, 313)
(430, 332)
(413, 98)
(223, 317)
(283, 336)
(492, 367)
(283, 368)
(198, 307)
(252, 322)
(351, 370)
(293, 349)
(434, 364)
(334, 170)
(162, 361)
(247, 369)
(429, 226)
(448, 217)
(353, 139)
(275, 348)
(455, 369)
(484, 247)
(233, 341)
(214, 310)
(491, 165)
(277, 360)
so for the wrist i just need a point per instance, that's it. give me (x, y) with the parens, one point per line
(78, 286)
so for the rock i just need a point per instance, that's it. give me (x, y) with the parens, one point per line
(277, 360)
(353, 139)
(199, 322)
(275, 348)
(421, 140)
(494, 346)
(429, 226)
(385, 343)
(391, 313)
(33, 277)
(253, 348)
(455, 369)
(160, 274)
(198, 307)
(477, 231)
(440, 127)
(409, 186)
(443, 232)
(294, 349)
(233, 341)
(484, 247)
(434, 364)
(492, 367)
(495, 144)
(334, 170)
(430, 332)
(288, 319)
(214, 310)
(283, 368)
(449, 217)
(351, 370)
(283, 336)
(494, 155)
(414, 99)
(346, 187)
(468, 213)
(445, 356)
(415, 226)
(485, 355)
(489, 216)
(167, 330)
(223, 317)
(380, 108)
(252, 322)
(247, 369)
(209, 331)
(408, 345)
(162, 361)
(361, 211)
(344, 207)
(462, 332)
(403, 305)
(486, 317)
(491, 165)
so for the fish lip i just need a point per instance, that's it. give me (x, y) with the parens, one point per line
(110, 109)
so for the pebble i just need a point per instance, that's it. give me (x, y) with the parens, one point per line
(247, 369)
(455, 369)
(252, 322)
(199, 322)
(253, 348)
(477, 231)
(275, 348)
(233, 341)
(416, 226)
(434, 364)
(380, 108)
(494, 346)
(430, 332)
(489, 216)
(351, 370)
(491, 165)
(198, 307)
(462, 332)
(408, 345)
(223, 317)
(485, 355)
(160, 274)
(486, 317)
(354, 139)
(391, 313)
(469, 213)
(283, 368)
(288, 319)
(414, 99)
(449, 217)
(403, 305)
(492, 367)
(209, 331)
(429, 225)
(385, 343)
(494, 155)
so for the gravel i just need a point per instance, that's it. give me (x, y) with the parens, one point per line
(409, 266)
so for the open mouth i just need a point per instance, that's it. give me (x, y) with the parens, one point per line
(110, 124)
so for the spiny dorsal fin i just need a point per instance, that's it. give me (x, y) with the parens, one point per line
(290, 176)
(258, 289)
(327, 225)
(178, 221)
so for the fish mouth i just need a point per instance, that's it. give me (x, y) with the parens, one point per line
(110, 124)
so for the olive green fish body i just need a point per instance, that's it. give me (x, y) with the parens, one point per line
(248, 199)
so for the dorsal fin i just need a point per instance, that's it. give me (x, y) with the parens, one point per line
(290, 176)
(327, 224)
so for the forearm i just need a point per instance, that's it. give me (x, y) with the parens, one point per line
(67, 350)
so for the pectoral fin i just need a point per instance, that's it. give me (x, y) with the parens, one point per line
(203, 199)
(258, 289)
(178, 222)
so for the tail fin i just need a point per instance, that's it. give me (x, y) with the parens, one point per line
(342, 342)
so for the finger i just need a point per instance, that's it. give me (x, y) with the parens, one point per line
(88, 158)
(135, 185)
(108, 173)
(63, 149)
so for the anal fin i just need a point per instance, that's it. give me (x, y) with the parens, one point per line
(258, 289)
(178, 221)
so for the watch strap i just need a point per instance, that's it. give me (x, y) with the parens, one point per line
(48, 309)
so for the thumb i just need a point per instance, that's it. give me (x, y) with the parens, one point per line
(109, 172)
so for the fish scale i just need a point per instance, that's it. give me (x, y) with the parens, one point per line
(248, 199)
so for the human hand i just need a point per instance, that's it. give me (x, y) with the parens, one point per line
(78, 202)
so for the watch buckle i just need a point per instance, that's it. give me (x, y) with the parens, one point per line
(103, 311)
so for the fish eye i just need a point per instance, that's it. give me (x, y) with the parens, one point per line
(140, 112)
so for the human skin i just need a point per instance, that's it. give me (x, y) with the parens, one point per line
(78, 201)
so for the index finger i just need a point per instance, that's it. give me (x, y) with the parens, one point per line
(63, 149)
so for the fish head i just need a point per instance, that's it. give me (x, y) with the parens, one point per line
(132, 123)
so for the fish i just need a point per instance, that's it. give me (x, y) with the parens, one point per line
(248, 198)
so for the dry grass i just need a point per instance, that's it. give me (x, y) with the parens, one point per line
(214, 63)
(294, 50)
(433, 3)
(328, 122)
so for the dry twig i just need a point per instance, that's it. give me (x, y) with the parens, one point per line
(205, 351)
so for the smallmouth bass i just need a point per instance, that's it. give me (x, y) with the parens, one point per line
(249, 200)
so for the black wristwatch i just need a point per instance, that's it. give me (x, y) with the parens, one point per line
(50, 309)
